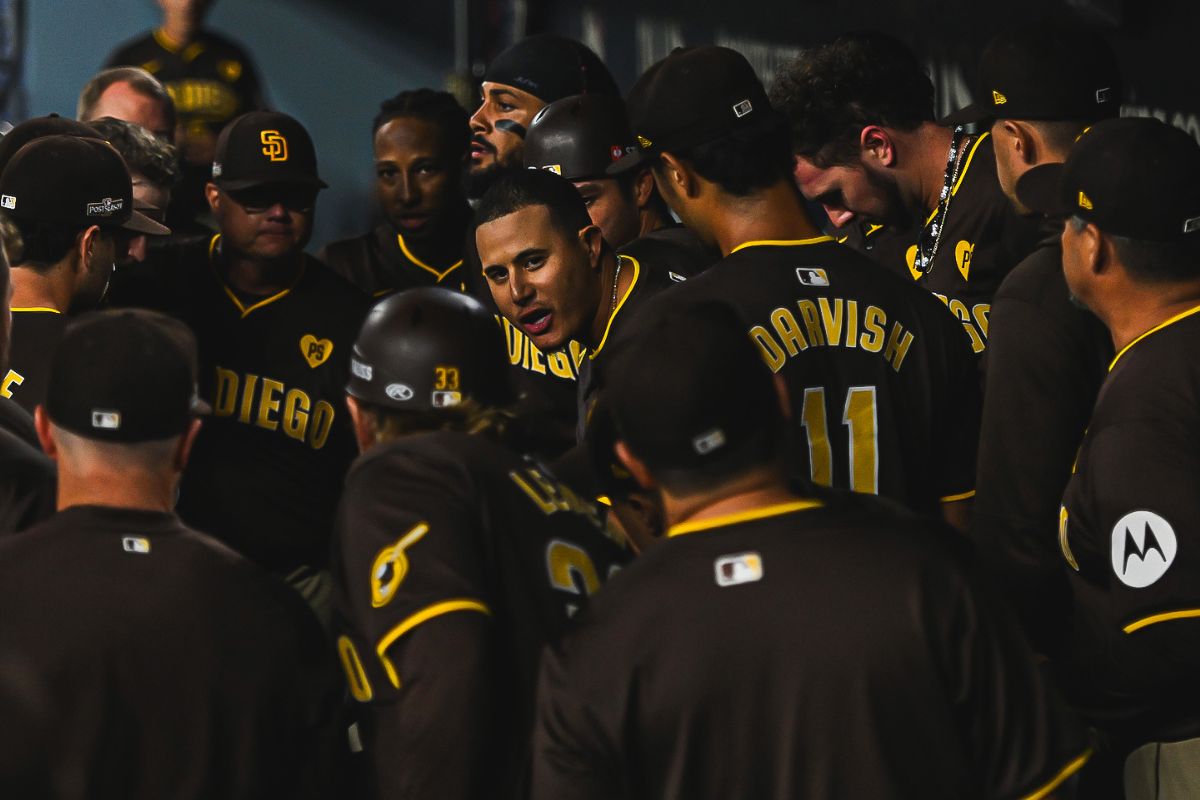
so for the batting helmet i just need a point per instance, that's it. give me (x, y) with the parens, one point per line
(579, 137)
(429, 348)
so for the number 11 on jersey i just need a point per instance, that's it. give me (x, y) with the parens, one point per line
(860, 417)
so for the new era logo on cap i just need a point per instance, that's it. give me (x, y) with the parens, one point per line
(1085, 202)
(106, 420)
(644, 142)
(998, 99)
(1191, 225)
(1102, 95)
(8, 201)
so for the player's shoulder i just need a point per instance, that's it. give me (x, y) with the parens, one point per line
(1037, 279)
(447, 459)
(322, 285)
(222, 44)
(131, 51)
(1163, 360)
(674, 250)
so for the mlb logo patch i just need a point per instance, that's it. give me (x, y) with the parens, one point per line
(106, 420)
(734, 570)
(705, 443)
(743, 108)
(445, 399)
(812, 276)
(136, 544)
(8, 201)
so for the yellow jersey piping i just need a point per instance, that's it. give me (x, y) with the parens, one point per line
(245, 311)
(954, 498)
(742, 516)
(637, 271)
(418, 262)
(780, 242)
(1166, 616)
(38, 308)
(1155, 329)
(433, 611)
(963, 173)
(1063, 774)
(166, 42)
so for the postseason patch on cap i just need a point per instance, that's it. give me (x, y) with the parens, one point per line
(106, 207)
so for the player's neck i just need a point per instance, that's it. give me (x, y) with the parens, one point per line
(1136, 311)
(930, 145)
(258, 277)
(772, 214)
(102, 487)
(33, 289)
(651, 221)
(604, 307)
(762, 487)
(179, 29)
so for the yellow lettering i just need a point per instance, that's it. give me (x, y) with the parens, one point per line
(772, 353)
(247, 398)
(980, 312)
(789, 331)
(546, 504)
(899, 340)
(268, 403)
(851, 323)
(873, 321)
(559, 365)
(536, 362)
(960, 310)
(12, 379)
(322, 421)
(226, 395)
(295, 414)
(514, 339)
(831, 317)
(578, 353)
(808, 312)
(568, 564)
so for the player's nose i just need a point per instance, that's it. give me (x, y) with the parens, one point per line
(479, 120)
(520, 288)
(407, 191)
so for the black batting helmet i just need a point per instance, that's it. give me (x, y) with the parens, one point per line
(429, 348)
(579, 137)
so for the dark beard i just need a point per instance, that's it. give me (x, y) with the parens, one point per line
(476, 184)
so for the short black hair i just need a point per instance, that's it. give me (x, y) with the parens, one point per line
(534, 187)
(1152, 261)
(44, 244)
(430, 105)
(744, 161)
(144, 154)
(831, 92)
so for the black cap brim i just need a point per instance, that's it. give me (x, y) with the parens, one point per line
(275, 180)
(976, 112)
(1040, 189)
(140, 223)
(628, 162)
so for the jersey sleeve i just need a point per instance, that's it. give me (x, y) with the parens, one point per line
(408, 533)
(1020, 738)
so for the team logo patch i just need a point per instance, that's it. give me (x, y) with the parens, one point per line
(910, 257)
(274, 145)
(962, 257)
(360, 370)
(315, 351)
(391, 566)
(230, 70)
(7, 201)
(1191, 225)
(106, 420)
(738, 569)
(812, 276)
(705, 443)
(998, 99)
(1085, 202)
(399, 392)
(743, 108)
(135, 544)
(1102, 95)
(1143, 548)
(106, 207)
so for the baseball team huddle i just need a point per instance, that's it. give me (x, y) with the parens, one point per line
(733, 436)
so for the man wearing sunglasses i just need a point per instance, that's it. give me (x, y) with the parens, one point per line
(275, 328)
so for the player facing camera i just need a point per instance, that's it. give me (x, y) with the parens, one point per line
(427, 359)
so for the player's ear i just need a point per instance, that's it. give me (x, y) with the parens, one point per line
(41, 423)
(643, 188)
(636, 467)
(183, 449)
(85, 246)
(364, 426)
(213, 194)
(678, 176)
(877, 144)
(592, 240)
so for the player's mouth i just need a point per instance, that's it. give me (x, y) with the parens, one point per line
(480, 148)
(413, 222)
(537, 322)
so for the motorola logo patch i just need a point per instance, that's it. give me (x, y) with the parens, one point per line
(1143, 548)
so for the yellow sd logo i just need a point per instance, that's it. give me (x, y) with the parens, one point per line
(391, 566)
(316, 351)
(274, 145)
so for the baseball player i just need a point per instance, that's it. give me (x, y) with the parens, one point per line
(920, 198)
(881, 381)
(160, 663)
(1046, 355)
(1130, 192)
(775, 645)
(456, 558)
(579, 138)
(554, 276)
(70, 198)
(421, 139)
(274, 328)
